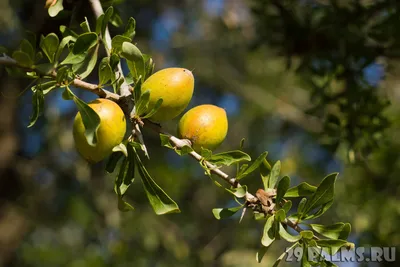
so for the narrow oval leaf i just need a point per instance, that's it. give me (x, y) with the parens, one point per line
(74, 59)
(131, 52)
(280, 215)
(105, 71)
(90, 118)
(113, 160)
(143, 103)
(117, 42)
(22, 58)
(124, 206)
(156, 107)
(130, 28)
(159, 200)
(56, 8)
(288, 237)
(253, 166)
(49, 45)
(27, 48)
(84, 42)
(265, 170)
(269, 233)
(322, 209)
(332, 246)
(85, 25)
(300, 207)
(274, 175)
(302, 190)
(323, 194)
(260, 253)
(37, 106)
(238, 192)
(225, 212)
(287, 206)
(331, 231)
(84, 68)
(283, 186)
(106, 19)
(307, 234)
(66, 40)
(229, 158)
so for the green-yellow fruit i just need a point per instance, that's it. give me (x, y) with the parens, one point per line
(205, 126)
(110, 133)
(175, 86)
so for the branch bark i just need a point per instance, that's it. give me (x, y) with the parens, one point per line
(94, 88)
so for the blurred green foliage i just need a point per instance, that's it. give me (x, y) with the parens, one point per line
(305, 80)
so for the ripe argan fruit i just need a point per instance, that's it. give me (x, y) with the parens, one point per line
(175, 86)
(110, 133)
(205, 126)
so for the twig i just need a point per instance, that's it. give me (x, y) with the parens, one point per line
(94, 88)
(98, 11)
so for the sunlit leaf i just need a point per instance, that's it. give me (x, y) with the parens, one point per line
(302, 190)
(253, 166)
(49, 45)
(225, 212)
(228, 158)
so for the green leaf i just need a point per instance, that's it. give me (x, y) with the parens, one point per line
(113, 161)
(143, 103)
(333, 231)
(156, 107)
(283, 186)
(85, 42)
(84, 68)
(229, 158)
(288, 237)
(322, 209)
(323, 194)
(55, 9)
(300, 207)
(128, 176)
(269, 232)
(165, 140)
(27, 48)
(45, 87)
(304, 258)
(302, 190)
(74, 59)
(265, 170)
(104, 21)
(45, 68)
(274, 175)
(90, 118)
(117, 42)
(238, 192)
(307, 234)
(260, 253)
(85, 25)
(49, 45)
(65, 31)
(131, 52)
(331, 246)
(105, 71)
(225, 212)
(116, 19)
(22, 58)
(253, 166)
(62, 45)
(287, 206)
(206, 153)
(121, 148)
(130, 28)
(345, 232)
(159, 200)
(280, 215)
(37, 106)
(124, 206)
(149, 66)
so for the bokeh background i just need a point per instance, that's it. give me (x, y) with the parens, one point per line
(308, 81)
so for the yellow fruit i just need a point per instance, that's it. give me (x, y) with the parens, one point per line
(111, 131)
(205, 126)
(175, 86)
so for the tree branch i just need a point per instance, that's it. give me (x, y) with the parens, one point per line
(94, 88)
(98, 11)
